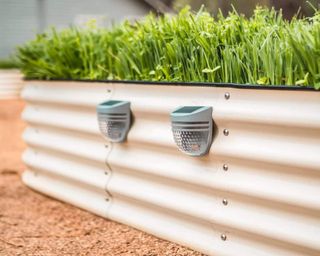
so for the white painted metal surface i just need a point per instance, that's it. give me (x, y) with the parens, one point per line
(10, 84)
(258, 188)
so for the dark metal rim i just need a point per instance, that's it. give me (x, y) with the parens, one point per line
(195, 84)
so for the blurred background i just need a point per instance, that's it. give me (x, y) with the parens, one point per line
(21, 20)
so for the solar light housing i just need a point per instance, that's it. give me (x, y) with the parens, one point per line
(114, 119)
(192, 129)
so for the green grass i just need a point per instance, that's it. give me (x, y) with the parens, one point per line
(189, 47)
(8, 64)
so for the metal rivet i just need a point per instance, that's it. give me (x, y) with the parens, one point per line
(106, 146)
(226, 132)
(223, 237)
(225, 201)
(227, 95)
(107, 199)
(108, 90)
(225, 167)
(106, 173)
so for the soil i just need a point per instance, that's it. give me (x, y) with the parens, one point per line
(33, 224)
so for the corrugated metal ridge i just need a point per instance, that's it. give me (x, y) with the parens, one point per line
(55, 164)
(68, 192)
(224, 187)
(11, 84)
(63, 94)
(301, 244)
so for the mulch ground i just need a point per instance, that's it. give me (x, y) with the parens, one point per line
(33, 224)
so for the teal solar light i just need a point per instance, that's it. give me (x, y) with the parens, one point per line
(114, 119)
(192, 129)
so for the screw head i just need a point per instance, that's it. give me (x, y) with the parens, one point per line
(223, 237)
(225, 201)
(227, 95)
(226, 132)
(225, 167)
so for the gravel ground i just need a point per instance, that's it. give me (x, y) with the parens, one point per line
(33, 224)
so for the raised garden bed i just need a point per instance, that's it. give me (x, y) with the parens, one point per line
(256, 191)
(259, 185)
(11, 83)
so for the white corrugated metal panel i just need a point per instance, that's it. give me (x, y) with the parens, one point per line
(66, 156)
(10, 84)
(266, 203)
(67, 94)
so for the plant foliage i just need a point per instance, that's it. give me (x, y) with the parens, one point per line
(190, 47)
(8, 64)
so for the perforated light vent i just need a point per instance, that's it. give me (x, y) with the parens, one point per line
(192, 129)
(114, 119)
